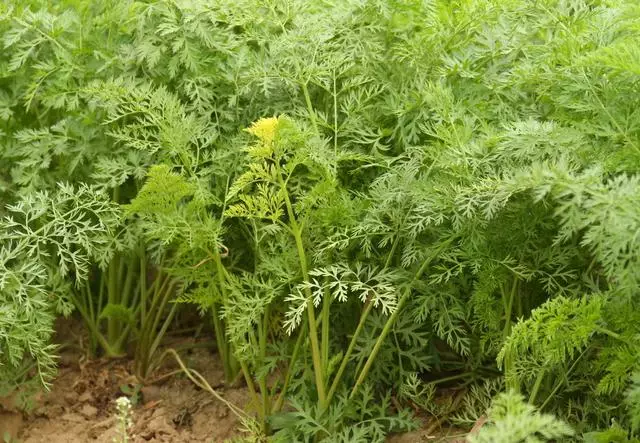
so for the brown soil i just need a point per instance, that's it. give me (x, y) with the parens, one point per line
(430, 431)
(81, 406)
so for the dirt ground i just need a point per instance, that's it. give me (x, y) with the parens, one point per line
(81, 406)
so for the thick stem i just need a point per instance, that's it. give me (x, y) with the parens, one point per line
(313, 330)
(113, 299)
(225, 352)
(93, 328)
(143, 284)
(146, 330)
(252, 389)
(264, 390)
(131, 272)
(112, 288)
(101, 289)
(153, 331)
(220, 341)
(311, 315)
(536, 387)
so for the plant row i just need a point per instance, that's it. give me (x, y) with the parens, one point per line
(366, 201)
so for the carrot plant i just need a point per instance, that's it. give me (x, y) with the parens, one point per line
(273, 193)
(49, 241)
(367, 200)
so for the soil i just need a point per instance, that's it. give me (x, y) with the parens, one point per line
(430, 431)
(80, 407)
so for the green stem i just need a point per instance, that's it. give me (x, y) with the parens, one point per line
(128, 282)
(508, 309)
(453, 377)
(264, 331)
(146, 326)
(163, 330)
(509, 363)
(144, 298)
(93, 345)
(131, 324)
(166, 296)
(225, 352)
(313, 332)
(252, 389)
(264, 390)
(615, 336)
(326, 310)
(289, 373)
(559, 383)
(335, 115)
(112, 299)
(376, 348)
(158, 339)
(112, 288)
(220, 341)
(121, 270)
(157, 289)
(103, 285)
(392, 319)
(520, 311)
(149, 329)
(536, 387)
(91, 325)
(89, 300)
(394, 246)
(143, 284)
(347, 355)
(359, 328)
(312, 114)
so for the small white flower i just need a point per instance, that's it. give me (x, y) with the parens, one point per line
(125, 420)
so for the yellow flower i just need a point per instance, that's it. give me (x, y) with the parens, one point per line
(265, 129)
